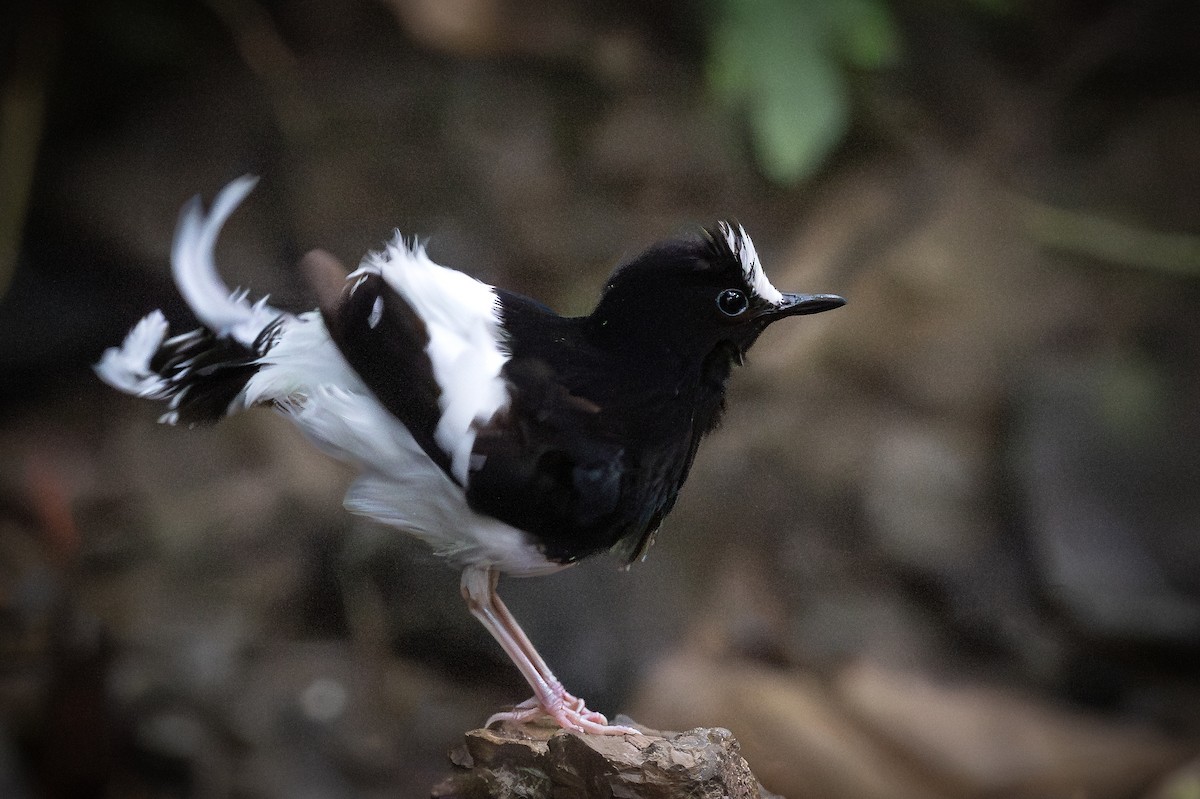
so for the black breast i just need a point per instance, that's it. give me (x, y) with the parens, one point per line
(595, 445)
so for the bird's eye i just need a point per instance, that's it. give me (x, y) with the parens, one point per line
(732, 302)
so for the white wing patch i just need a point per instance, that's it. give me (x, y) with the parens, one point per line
(466, 344)
(376, 315)
(741, 245)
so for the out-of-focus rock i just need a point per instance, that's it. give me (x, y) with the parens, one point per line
(1106, 459)
(533, 761)
(644, 142)
(1182, 783)
(926, 497)
(477, 28)
(991, 742)
(801, 741)
(871, 732)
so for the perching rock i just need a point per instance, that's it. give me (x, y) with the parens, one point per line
(533, 761)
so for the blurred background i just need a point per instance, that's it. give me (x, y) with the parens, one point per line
(945, 544)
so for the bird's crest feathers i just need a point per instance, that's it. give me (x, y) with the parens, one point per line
(741, 247)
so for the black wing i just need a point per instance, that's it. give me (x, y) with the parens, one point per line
(546, 465)
(385, 341)
(552, 463)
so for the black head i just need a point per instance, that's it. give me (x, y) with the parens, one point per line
(698, 296)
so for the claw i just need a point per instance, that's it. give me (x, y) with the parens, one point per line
(571, 714)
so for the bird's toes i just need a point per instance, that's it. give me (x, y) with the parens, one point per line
(567, 711)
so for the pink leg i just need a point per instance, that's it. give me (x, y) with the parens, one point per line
(549, 697)
(510, 623)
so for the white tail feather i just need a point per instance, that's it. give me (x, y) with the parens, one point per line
(225, 312)
(127, 368)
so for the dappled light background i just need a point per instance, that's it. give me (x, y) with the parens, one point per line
(944, 545)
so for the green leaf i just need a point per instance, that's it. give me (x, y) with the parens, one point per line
(866, 34)
(780, 61)
(798, 117)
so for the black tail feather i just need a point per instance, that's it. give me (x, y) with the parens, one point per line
(206, 373)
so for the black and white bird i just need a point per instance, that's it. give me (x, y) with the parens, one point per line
(512, 440)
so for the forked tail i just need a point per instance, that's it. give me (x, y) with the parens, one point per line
(202, 374)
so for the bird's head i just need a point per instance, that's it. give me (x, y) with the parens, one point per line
(698, 296)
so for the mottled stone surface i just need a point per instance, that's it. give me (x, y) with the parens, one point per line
(532, 761)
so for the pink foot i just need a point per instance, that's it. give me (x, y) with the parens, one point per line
(571, 714)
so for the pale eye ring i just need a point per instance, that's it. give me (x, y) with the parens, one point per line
(732, 302)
